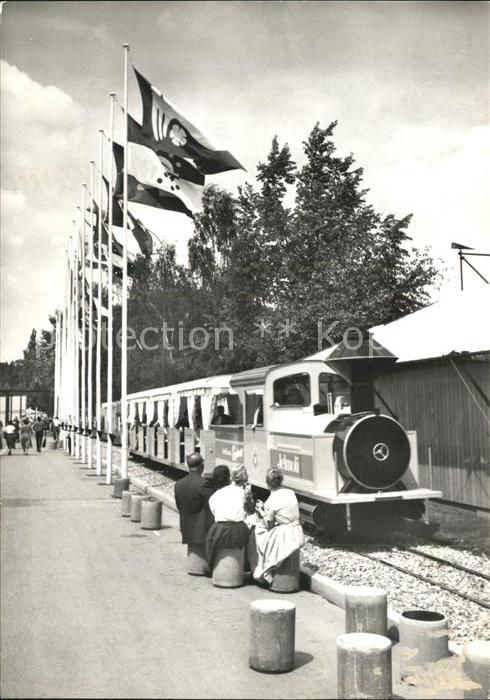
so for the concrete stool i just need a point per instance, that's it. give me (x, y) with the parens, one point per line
(120, 485)
(50, 444)
(476, 666)
(366, 610)
(228, 568)
(135, 507)
(363, 666)
(151, 514)
(285, 579)
(272, 631)
(423, 640)
(126, 504)
(197, 564)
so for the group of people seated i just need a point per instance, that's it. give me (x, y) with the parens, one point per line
(221, 513)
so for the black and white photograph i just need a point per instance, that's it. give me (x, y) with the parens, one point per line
(244, 349)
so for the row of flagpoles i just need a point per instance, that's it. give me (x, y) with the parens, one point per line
(162, 164)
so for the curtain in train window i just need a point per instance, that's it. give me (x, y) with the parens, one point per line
(293, 390)
(198, 423)
(152, 412)
(207, 409)
(254, 408)
(183, 415)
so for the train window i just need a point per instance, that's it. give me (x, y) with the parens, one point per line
(227, 410)
(254, 409)
(334, 392)
(293, 390)
(154, 414)
(183, 419)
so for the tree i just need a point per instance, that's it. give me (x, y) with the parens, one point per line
(346, 264)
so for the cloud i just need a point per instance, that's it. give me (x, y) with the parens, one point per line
(42, 142)
(39, 105)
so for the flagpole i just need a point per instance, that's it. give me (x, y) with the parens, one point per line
(76, 346)
(91, 323)
(72, 351)
(64, 366)
(98, 372)
(56, 363)
(109, 429)
(84, 319)
(124, 324)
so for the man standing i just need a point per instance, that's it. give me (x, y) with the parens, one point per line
(191, 496)
(38, 428)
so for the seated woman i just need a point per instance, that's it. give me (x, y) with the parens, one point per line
(227, 505)
(279, 533)
(220, 477)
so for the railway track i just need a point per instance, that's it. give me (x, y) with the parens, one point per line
(387, 559)
(454, 564)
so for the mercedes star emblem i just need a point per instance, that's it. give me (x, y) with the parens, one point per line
(381, 451)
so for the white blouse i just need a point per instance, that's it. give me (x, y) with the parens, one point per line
(228, 504)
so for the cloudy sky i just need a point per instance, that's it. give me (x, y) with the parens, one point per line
(407, 81)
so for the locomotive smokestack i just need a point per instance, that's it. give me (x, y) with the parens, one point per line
(358, 358)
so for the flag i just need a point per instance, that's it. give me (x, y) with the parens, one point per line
(142, 235)
(179, 167)
(156, 171)
(117, 213)
(153, 196)
(165, 129)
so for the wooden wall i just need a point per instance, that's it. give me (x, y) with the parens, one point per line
(431, 398)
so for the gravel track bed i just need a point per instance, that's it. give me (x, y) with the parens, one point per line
(463, 557)
(467, 620)
(150, 477)
(441, 573)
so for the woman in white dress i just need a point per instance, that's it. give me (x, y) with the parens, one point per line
(278, 533)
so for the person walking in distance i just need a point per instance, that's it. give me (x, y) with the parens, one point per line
(38, 428)
(25, 435)
(56, 430)
(9, 434)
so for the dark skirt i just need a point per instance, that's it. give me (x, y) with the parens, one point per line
(10, 438)
(225, 535)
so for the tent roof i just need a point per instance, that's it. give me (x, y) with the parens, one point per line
(457, 323)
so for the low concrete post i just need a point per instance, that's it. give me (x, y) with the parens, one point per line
(363, 666)
(366, 610)
(476, 666)
(286, 578)
(197, 564)
(120, 485)
(423, 640)
(228, 568)
(50, 444)
(272, 635)
(135, 507)
(126, 504)
(151, 514)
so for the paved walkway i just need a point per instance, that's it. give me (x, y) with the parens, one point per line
(93, 606)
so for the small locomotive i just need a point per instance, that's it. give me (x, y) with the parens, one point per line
(316, 419)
